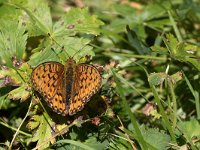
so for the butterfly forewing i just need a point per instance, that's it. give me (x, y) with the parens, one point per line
(87, 82)
(48, 80)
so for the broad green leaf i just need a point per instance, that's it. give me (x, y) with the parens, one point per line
(71, 47)
(42, 126)
(151, 135)
(39, 20)
(155, 10)
(8, 12)
(126, 11)
(78, 20)
(182, 51)
(43, 55)
(12, 41)
(190, 129)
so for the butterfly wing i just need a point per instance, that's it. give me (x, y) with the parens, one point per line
(48, 80)
(87, 82)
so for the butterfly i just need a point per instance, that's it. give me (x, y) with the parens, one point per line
(66, 88)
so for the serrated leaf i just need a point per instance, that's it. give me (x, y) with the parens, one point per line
(46, 54)
(33, 122)
(42, 125)
(159, 49)
(152, 135)
(79, 20)
(17, 77)
(182, 51)
(190, 128)
(39, 22)
(12, 41)
(72, 47)
(21, 93)
(8, 13)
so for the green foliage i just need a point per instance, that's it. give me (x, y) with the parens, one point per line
(150, 55)
(42, 126)
(12, 41)
(162, 139)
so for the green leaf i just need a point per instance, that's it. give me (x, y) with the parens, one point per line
(190, 128)
(39, 21)
(8, 13)
(74, 145)
(71, 47)
(159, 50)
(10, 77)
(43, 129)
(79, 20)
(157, 78)
(98, 145)
(43, 55)
(20, 93)
(151, 135)
(182, 51)
(155, 10)
(135, 42)
(6, 103)
(17, 77)
(12, 41)
(176, 77)
(34, 122)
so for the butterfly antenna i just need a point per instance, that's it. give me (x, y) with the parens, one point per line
(78, 51)
(62, 47)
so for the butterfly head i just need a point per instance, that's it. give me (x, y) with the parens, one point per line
(71, 61)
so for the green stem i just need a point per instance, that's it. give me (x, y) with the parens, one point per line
(14, 129)
(174, 104)
(135, 56)
(167, 123)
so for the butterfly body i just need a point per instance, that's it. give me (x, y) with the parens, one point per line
(66, 88)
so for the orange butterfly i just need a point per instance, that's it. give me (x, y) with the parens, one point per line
(66, 88)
